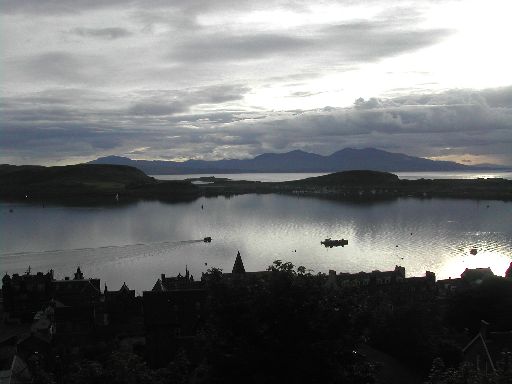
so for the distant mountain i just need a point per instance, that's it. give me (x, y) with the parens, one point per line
(297, 161)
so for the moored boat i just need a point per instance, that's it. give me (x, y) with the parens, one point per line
(334, 243)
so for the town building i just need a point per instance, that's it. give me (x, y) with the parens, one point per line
(174, 310)
(24, 295)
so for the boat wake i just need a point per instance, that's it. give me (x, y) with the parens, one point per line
(105, 247)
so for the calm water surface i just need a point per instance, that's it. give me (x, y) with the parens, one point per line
(277, 177)
(135, 243)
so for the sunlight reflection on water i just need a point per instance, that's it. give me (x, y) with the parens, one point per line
(138, 242)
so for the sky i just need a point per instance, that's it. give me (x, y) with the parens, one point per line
(196, 79)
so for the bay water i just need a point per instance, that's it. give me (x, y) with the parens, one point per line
(135, 243)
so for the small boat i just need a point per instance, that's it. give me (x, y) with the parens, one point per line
(207, 239)
(334, 243)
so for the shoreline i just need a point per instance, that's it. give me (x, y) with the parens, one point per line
(107, 184)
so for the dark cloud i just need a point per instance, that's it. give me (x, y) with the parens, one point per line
(218, 47)
(58, 6)
(166, 79)
(54, 66)
(157, 108)
(190, 6)
(501, 97)
(371, 40)
(367, 104)
(422, 125)
(341, 44)
(72, 122)
(103, 33)
(59, 67)
(160, 103)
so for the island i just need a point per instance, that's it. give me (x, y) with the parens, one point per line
(88, 183)
(114, 183)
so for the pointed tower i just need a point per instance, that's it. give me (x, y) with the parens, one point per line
(78, 274)
(238, 267)
(124, 288)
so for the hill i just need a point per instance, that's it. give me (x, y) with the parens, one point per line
(296, 161)
(86, 181)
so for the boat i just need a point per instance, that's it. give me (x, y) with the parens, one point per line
(334, 243)
(473, 251)
(207, 239)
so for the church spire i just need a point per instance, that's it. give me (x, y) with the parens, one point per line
(238, 267)
(78, 274)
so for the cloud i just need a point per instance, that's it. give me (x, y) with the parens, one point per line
(466, 121)
(157, 108)
(57, 6)
(190, 7)
(361, 41)
(226, 47)
(59, 67)
(104, 33)
(203, 79)
(160, 103)
(371, 40)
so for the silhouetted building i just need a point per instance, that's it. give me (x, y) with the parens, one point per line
(75, 302)
(238, 267)
(469, 278)
(76, 292)
(372, 279)
(508, 272)
(331, 282)
(122, 311)
(179, 282)
(476, 275)
(448, 287)
(73, 324)
(393, 282)
(78, 274)
(26, 294)
(240, 275)
(173, 313)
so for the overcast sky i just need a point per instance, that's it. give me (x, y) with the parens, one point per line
(211, 79)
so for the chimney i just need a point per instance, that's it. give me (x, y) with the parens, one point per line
(431, 277)
(331, 280)
(162, 276)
